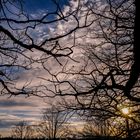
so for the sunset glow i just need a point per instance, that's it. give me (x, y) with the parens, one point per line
(125, 111)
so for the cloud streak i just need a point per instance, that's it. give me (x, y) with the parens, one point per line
(12, 103)
(19, 108)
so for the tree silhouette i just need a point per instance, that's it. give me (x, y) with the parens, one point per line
(25, 40)
(22, 131)
(109, 63)
(107, 74)
(55, 123)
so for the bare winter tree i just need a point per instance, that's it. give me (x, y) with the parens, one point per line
(55, 123)
(122, 122)
(105, 75)
(108, 74)
(22, 130)
(110, 57)
(89, 130)
(26, 39)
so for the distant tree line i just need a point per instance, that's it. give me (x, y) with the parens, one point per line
(61, 123)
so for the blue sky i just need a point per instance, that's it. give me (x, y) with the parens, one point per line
(19, 108)
(34, 5)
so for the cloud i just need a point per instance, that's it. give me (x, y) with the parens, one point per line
(7, 120)
(13, 110)
(19, 108)
(20, 103)
(61, 27)
(13, 103)
(7, 123)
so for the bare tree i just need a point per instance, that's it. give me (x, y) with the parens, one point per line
(22, 130)
(55, 123)
(103, 78)
(124, 122)
(89, 130)
(25, 40)
(108, 61)
(108, 73)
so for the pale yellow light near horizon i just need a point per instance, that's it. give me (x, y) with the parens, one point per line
(125, 111)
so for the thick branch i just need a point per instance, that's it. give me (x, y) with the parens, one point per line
(135, 69)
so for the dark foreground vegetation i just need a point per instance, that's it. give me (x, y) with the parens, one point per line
(92, 138)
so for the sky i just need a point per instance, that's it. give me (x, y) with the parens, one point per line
(16, 109)
(22, 108)
(19, 108)
(34, 5)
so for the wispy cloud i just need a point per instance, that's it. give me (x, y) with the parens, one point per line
(12, 103)
(19, 108)
(13, 110)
